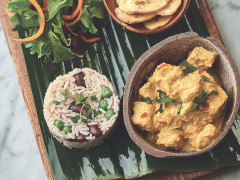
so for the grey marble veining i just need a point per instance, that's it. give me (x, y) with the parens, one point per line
(226, 14)
(19, 156)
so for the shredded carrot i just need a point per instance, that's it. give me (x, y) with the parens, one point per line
(73, 33)
(44, 5)
(89, 40)
(42, 24)
(75, 13)
(76, 20)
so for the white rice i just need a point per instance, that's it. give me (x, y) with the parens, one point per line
(95, 82)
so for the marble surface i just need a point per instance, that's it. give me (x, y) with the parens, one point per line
(19, 155)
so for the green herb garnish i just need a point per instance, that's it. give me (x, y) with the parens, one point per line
(162, 99)
(66, 93)
(189, 68)
(56, 103)
(160, 110)
(179, 107)
(213, 92)
(202, 99)
(96, 113)
(80, 118)
(87, 106)
(167, 99)
(157, 100)
(206, 79)
(195, 107)
(161, 93)
(76, 119)
(147, 100)
(80, 99)
(178, 128)
(94, 98)
(83, 118)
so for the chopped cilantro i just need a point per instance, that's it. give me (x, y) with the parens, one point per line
(178, 128)
(206, 79)
(161, 93)
(96, 113)
(87, 106)
(189, 68)
(160, 110)
(179, 107)
(66, 93)
(202, 99)
(157, 100)
(213, 92)
(94, 98)
(162, 99)
(195, 107)
(167, 99)
(76, 119)
(83, 118)
(80, 99)
(147, 100)
(56, 103)
(80, 118)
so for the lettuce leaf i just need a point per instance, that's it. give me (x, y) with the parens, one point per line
(52, 44)
(54, 6)
(24, 16)
(92, 9)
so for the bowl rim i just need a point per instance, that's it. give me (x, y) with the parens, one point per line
(127, 120)
(171, 23)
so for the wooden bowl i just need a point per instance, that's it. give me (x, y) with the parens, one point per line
(110, 5)
(174, 50)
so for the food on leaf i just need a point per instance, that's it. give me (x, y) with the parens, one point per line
(86, 110)
(170, 9)
(49, 34)
(180, 105)
(152, 14)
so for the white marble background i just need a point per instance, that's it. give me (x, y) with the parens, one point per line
(19, 155)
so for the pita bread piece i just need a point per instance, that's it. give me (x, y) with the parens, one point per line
(118, 2)
(123, 7)
(133, 18)
(144, 6)
(171, 8)
(157, 22)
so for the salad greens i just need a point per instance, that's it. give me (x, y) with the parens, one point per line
(53, 44)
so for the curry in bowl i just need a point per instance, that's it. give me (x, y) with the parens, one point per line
(182, 107)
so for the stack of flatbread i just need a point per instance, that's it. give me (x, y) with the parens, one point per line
(152, 13)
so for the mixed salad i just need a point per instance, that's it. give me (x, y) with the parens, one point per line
(56, 29)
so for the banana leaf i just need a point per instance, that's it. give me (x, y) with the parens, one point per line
(118, 156)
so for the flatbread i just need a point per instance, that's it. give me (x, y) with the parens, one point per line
(133, 18)
(123, 7)
(118, 2)
(171, 8)
(157, 22)
(144, 6)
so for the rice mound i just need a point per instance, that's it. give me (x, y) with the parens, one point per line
(95, 83)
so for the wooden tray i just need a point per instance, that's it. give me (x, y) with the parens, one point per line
(22, 74)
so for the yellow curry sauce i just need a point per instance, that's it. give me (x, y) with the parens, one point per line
(182, 107)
